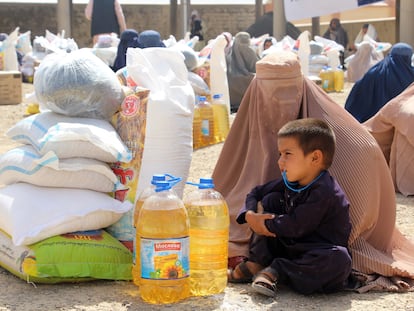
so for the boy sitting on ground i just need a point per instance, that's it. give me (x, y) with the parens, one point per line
(301, 237)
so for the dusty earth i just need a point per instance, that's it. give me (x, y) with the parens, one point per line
(17, 295)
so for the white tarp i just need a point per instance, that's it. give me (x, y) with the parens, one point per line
(300, 9)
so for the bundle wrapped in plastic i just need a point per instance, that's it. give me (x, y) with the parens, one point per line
(24, 44)
(58, 41)
(78, 84)
(8, 56)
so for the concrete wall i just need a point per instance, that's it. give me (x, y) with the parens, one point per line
(216, 19)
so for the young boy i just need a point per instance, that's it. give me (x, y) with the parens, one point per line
(300, 238)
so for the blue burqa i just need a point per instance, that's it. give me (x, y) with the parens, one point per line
(129, 38)
(381, 83)
(150, 39)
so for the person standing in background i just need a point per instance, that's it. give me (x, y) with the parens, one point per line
(337, 33)
(196, 26)
(106, 17)
(196, 30)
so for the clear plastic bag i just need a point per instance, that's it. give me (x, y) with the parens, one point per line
(78, 84)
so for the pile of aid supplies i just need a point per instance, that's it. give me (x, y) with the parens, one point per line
(180, 247)
(96, 142)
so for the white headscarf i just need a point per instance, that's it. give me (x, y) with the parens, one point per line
(371, 33)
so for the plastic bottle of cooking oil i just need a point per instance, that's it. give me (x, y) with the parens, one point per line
(196, 126)
(209, 235)
(147, 192)
(339, 79)
(327, 77)
(221, 118)
(203, 124)
(162, 242)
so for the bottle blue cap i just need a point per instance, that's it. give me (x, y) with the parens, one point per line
(206, 180)
(157, 177)
(162, 185)
(205, 183)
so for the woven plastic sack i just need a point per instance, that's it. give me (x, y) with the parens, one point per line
(29, 214)
(168, 138)
(71, 257)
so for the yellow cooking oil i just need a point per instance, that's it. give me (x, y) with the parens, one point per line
(221, 118)
(207, 123)
(163, 244)
(146, 193)
(209, 235)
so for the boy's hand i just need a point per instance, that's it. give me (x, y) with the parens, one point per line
(256, 223)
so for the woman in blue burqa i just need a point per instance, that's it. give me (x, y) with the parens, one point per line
(381, 83)
(129, 38)
(150, 39)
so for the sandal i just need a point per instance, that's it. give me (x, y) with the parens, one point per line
(265, 283)
(243, 271)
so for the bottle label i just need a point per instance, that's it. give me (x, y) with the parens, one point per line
(165, 259)
(205, 127)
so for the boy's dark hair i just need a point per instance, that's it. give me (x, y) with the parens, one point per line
(312, 134)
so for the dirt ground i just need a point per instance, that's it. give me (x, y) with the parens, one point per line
(18, 295)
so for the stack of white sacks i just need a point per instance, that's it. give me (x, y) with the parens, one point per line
(58, 219)
(58, 181)
(317, 59)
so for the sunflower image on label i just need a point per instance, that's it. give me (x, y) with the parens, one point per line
(164, 259)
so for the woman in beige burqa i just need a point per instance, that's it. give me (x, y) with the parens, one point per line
(392, 127)
(383, 259)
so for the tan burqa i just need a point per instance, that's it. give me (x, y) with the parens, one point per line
(392, 128)
(359, 63)
(279, 93)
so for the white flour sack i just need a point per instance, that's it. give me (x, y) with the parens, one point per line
(78, 84)
(168, 143)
